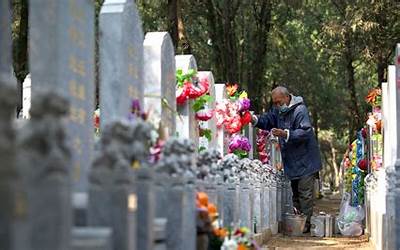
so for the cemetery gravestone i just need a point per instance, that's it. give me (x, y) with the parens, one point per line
(222, 137)
(160, 80)
(62, 59)
(112, 200)
(121, 59)
(10, 210)
(397, 163)
(211, 124)
(389, 163)
(186, 123)
(45, 159)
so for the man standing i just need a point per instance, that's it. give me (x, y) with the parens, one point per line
(289, 120)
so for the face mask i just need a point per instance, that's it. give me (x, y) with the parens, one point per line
(283, 108)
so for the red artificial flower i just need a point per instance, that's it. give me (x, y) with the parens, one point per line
(246, 118)
(231, 89)
(182, 94)
(363, 164)
(203, 86)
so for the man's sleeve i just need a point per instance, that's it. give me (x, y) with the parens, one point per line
(267, 121)
(303, 128)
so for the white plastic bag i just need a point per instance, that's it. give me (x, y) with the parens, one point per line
(350, 218)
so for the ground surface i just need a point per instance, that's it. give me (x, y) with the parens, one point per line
(329, 204)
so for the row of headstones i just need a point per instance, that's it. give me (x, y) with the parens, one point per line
(36, 185)
(246, 192)
(382, 193)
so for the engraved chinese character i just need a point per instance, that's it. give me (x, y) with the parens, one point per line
(131, 51)
(82, 116)
(76, 36)
(133, 71)
(76, 12)
(131, 92)
(77, 90)
(77, 66)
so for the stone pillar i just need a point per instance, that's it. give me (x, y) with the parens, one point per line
(121, 59)
(186, 123)
(160, 80)
(245, 205)
(230, 205)
(44, 158)
(265, 201)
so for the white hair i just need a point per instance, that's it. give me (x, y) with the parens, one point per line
(281, 90)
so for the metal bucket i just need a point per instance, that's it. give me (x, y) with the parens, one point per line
(293, 225)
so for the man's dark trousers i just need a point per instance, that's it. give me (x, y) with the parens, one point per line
(303, 195)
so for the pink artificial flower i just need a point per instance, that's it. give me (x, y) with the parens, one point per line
(204, 114)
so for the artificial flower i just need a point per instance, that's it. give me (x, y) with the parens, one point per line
(243, 95)
(182, 94)
(239, 142)
(246, 118)
(204, 114)
(231, 89)
(374, 97)
(96, 118)
(234, 125)
(244, 104)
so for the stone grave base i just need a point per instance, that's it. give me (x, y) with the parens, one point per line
(263, 237)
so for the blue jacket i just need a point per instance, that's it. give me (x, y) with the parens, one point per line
(300, 154)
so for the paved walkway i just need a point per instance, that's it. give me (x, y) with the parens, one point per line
(329, 205)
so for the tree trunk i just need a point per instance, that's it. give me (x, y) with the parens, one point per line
(381, 69)
(256, 69)
(335, 166)
(353, 107)
(173, 21)
(177, 28)
(21, 64)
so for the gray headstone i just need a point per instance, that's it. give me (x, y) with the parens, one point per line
(265, 220)
(186, 123)
(272, 209)
(160, 80)
(91, 238)
(146, 210)
(121, 59)
(210, 124)
(230, 205)
(13, 203)
(397, 164)
(211, 190)
(45, 159)
(5, 43)
(175, 214)
(244, 206)
(189, 219)
(112, 197)
(62, 59)
(178, 167)
(256, 209)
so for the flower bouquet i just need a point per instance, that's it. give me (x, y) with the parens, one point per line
(239, 145)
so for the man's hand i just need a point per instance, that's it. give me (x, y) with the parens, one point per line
(279, 132)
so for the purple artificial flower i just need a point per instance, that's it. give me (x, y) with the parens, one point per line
(239, 142)
(244, 104)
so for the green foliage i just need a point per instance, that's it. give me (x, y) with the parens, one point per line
(200, 102)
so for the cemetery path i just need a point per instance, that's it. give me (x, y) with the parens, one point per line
(330, 205)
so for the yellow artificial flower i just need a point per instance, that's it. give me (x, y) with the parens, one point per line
(243, 95)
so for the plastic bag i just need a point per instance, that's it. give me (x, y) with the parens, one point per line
(350, 218)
